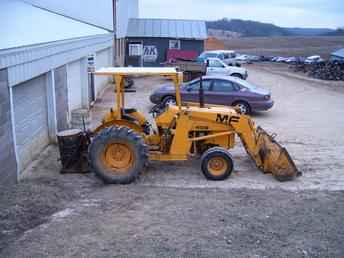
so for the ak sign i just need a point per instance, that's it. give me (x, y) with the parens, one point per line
(150, 54)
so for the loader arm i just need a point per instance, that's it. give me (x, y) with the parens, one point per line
(268, 155)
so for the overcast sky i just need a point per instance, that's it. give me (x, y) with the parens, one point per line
(285, 13)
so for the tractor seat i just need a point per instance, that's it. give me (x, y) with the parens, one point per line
(126, 114)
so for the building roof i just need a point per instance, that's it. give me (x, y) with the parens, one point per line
(167, 28)
(23, 24)
(339, 52)
(96, 13)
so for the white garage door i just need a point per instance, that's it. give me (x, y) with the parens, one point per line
(31, 118)
(74, 85)
(103, 59)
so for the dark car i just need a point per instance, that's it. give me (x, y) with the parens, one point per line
(219, 90)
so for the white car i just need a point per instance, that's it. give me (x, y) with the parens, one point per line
(227, 56)
(313, 60)
(243, 59)
(281, 59)
(215, 66)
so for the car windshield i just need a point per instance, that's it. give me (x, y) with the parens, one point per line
(191, 82)
(206, 55)
(247, 84)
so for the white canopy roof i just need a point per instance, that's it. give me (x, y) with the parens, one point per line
(137, 71)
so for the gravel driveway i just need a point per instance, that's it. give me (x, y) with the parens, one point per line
(172, 211)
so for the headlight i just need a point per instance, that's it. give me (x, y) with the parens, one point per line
(267, 97)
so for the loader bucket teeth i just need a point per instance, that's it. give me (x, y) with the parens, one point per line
(275, 159)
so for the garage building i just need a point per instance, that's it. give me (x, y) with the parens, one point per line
(45, 53)
(151, 42)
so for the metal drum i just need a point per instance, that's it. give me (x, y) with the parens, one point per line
(73, 151)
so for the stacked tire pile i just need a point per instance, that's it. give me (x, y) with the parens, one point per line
(331, 70)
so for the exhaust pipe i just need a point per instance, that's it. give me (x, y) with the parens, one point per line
(201, 93)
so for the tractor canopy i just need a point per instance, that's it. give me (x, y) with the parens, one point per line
(119, 73)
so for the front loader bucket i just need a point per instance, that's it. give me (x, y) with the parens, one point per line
(274, 158)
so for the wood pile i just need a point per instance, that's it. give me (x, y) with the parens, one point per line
(330, 70)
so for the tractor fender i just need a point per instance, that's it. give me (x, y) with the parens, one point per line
(120, 122)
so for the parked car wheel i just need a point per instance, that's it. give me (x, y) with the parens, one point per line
(243, 107)
(237, 75)
(128, 83)
(169, 100)
(157, 109)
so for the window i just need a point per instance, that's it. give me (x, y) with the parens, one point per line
(223, 86)
(221, 56)
(236, 86)
(229, 55)
(215, 63)
(174, 44)
(195, 85)
(205, 55)
(135, 49)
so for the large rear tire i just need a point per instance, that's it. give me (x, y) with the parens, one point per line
(217, 164)
(117, 155)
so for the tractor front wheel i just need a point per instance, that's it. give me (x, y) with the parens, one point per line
(217, 164)
(117, 155)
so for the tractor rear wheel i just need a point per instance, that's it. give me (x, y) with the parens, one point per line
(118, 155)
(217, 164)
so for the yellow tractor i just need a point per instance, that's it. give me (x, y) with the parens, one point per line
(125, 141)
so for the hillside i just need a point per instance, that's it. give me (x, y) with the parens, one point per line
(246, 28)
(286, 45)
(309, 31)
(338, 32)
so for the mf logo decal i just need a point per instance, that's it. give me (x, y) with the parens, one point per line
(225, 119)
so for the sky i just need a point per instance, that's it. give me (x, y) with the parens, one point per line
(284, 13)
